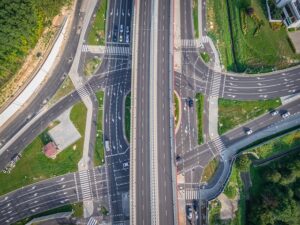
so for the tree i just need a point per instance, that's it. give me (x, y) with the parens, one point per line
(243, 162)
(272, 176)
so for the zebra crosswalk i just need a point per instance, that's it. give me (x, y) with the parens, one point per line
(110, 50)
(191, 194)
(84, 178)
(216, 83)
(117, 50)
(92, 221)
(83, 91)
(204, 39)
(85, 48)
(218, 144)
(189, 43)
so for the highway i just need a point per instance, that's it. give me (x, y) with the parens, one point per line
(140, 189)
(53, 193)
(164, 121)
(151, 154)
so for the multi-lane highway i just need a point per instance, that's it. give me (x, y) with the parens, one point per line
(140, 189)
(53, 193)
(165, 159)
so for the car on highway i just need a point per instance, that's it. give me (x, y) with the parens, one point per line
(125, 165)
(274, 112)
(249, 131)
(121, 28)
(121, 38)
(285, 115)
(127, 38)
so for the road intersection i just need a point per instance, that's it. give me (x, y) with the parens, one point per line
(149, 158)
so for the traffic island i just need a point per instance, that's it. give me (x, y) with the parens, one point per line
(99, 148)
(177, 111)
(127, 116)
(34, 166)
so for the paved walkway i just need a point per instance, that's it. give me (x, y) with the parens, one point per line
(78, 82)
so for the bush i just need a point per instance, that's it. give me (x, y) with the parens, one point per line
(243, 162)
(230, 191)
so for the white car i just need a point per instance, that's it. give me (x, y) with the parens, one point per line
(248, 132)
(274, 113)
(121, 38)
(127, 38)
(125, 165)
(121, 28)
(285, 115)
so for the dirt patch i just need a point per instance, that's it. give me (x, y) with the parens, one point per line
(33, 61)
(228, 207)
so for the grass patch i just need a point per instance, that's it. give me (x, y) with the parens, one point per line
(233, 113)
(99, 148)
(96, 35)
(254, 52)
(176, 109)
(195, 18)
(200, 108)
(218, 30)
(127, 116)
(231, 189)
(214, 212)
(210, 170)
(205, 56)
(281, 144)
(91, 65)
(34, 166)
(66, 88)
(77, 208)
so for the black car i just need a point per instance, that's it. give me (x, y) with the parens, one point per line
(190, 102)
(178, 157)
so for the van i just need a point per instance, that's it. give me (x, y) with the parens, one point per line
(107, 148)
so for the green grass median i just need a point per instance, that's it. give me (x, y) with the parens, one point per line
(200, 109)
(127, 116)
(99, 147)
(34, 166)
(176, 109)
(195, 18)
(96, 35)
(233, 113)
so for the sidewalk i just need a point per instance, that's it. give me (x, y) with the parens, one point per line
(78, 82)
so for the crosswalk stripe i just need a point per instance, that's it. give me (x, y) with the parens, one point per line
(92, 221)
(84, 179)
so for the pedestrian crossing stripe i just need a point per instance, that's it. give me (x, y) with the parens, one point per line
(216, 83)
(92, 221)
(84, 179)
(218, 144)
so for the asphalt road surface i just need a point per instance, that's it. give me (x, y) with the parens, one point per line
(164, 136)
(53, 193)
(142, 210)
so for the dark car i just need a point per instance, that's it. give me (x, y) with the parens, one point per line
(178, 157)
(190, 102)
